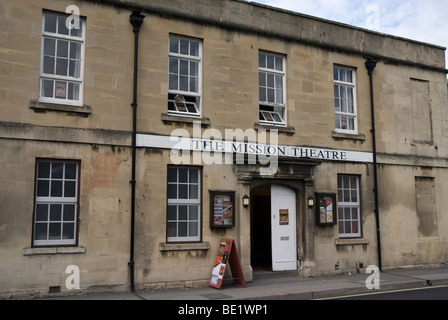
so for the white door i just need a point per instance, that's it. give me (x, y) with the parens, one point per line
(284, 234)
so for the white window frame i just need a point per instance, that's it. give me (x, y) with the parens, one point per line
(62, 79)
(180, 102)
(51, 200)
(176, 202)
(343, 206)
(272, 113)
(339, 114)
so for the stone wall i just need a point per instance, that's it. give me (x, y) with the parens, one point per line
(409, 75)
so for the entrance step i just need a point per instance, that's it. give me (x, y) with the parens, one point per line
(266, 274)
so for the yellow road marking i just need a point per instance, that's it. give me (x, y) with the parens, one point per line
(381, 292)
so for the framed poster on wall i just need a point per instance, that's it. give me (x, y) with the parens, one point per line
(326, 209)
(222, 209)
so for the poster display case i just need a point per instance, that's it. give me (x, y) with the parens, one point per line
(222, 209)
(326, 209)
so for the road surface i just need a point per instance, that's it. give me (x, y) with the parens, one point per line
(427, 293)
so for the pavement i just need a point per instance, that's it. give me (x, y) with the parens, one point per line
(288, 286)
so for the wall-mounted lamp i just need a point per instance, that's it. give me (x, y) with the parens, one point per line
(311, 202)
(246, 201)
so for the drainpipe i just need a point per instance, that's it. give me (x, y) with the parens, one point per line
(370, 65)
(136, 20)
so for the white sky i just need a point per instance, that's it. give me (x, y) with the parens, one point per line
(422, 20)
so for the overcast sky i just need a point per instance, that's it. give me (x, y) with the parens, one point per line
(422, 20)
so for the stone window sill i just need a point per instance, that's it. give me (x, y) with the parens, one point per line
(351, 242)
(53, 251)
(287, 130)
(44, 107)
(166, 247)
(346, 136)
(169, 119)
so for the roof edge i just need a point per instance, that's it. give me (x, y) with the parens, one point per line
(265, 20)
(341, 24)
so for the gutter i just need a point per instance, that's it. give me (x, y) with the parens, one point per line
(136, 20)
(370, 66)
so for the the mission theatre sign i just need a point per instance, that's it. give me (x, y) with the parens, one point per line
(214, 146)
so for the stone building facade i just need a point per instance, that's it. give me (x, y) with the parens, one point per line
(270, 104)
